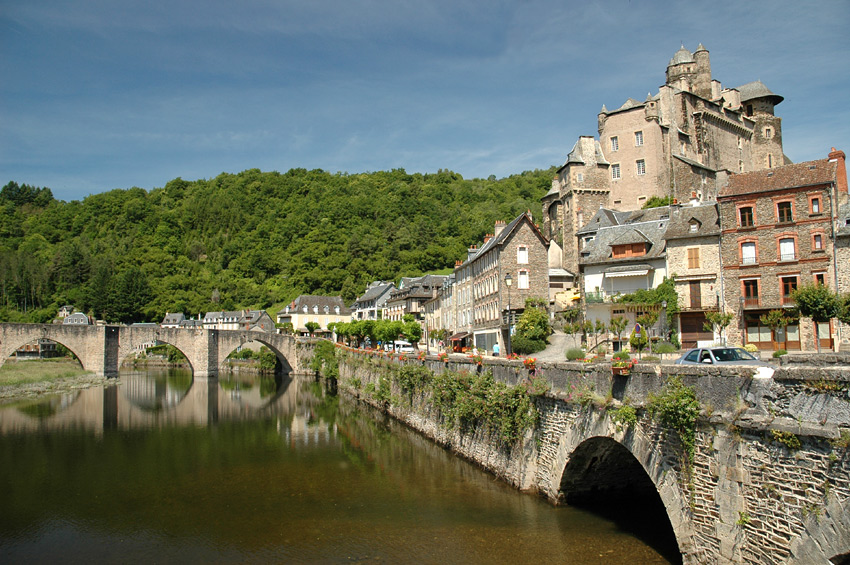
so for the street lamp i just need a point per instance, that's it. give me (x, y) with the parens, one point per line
(508, 282)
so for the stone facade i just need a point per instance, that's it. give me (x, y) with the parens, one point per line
(776, 235)
(693, 260)
(478, 298)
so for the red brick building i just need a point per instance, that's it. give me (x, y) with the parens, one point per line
(777, 233)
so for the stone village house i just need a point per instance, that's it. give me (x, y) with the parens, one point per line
(478, 308)
(779, 231)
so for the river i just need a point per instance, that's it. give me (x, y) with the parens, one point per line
(161, 468)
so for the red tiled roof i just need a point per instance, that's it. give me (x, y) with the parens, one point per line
(789, 176)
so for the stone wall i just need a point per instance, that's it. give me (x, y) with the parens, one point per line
(770, 480)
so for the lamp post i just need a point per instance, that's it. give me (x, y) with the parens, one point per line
(508, 282)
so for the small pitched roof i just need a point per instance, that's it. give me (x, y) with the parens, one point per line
(681, 218)
(639, 226)
(809, 173)
(504, 235)
(629, 236)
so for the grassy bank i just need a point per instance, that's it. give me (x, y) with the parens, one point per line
(17, 373)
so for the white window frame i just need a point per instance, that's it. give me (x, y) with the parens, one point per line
(639, 138)
(640, 167)
(748, 258)
(522, 255)
(522, 280)
(615, 143)
(787, 249)
(615, 171)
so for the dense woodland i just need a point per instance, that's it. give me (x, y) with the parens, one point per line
(247, 240)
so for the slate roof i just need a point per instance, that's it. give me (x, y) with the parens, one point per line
(503, 235)
(809, 173)
(757, 89)
(576, 154)
(374, 291)
(311, 300)
(603, 219)
(173, 318)
(679, 226)
(637, 226)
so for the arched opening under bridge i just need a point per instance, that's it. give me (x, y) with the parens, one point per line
(604, 477)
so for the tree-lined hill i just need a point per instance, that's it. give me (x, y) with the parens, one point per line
(243, 240)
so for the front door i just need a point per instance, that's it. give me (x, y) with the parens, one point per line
(696, 294)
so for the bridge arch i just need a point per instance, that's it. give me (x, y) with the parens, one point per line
(15, 336)
(230, 341)
(132, 342)
(609, 468)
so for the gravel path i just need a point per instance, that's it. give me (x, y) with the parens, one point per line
(559, 342)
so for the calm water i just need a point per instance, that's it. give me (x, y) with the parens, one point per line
(163, 470)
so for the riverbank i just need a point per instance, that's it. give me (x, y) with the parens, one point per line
(27, 379)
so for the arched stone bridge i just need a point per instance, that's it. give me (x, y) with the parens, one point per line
(770, 477)
(101, 349)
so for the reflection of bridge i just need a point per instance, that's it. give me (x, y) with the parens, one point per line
(101, 349)
(123, 407)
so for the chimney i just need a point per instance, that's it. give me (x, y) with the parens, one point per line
(487, 238)
(500, 225)
(840, 170)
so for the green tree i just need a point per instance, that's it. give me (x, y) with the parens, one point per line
(717, 322)
(819, 303)
(532, 330)
(647, 320)
(617, 325)
(312, 327)
(776, 319)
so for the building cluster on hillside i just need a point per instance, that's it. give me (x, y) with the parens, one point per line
(738, 228)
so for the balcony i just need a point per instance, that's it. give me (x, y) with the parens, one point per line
(784, 257)
(748, 261)
(750, 302)
(594, 297)
(788, 301)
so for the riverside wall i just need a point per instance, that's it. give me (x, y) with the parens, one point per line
(770, 477)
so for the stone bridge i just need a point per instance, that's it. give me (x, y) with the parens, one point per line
(770, 477)
(101, 349)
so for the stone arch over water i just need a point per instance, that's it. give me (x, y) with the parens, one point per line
(70, 341)
(596, 462)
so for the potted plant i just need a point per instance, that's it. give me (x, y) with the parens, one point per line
(622, 364)
(530, 363)
(443, 356)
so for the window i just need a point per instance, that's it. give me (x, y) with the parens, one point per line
(749, 109)
(768, 133)
(693, 258)
(820, 278)
(745, 215)
(748, 253)
(522, 282)
(641, 166)
(580, 177)
(769, 161)
(814, 205)
(751, 292)
(615, 143)
(638, 138)
(693, 226)
(615, 171)
(522, 255)
(787, 251)
(817, 242)
(783, 212)
(789, 284)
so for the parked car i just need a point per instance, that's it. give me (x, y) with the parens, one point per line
(720, 356)
(403, 347)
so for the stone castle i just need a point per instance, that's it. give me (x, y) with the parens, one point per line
(681, 143)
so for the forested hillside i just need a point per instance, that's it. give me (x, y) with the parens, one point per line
(243, 240)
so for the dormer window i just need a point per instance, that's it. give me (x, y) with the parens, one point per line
(304, 309)
(693, 226)
(336, 309)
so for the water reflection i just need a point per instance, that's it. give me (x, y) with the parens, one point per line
(292, 475)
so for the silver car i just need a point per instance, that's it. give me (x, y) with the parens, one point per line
(720, 356)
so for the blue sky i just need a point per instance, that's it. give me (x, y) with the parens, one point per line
(99, 94)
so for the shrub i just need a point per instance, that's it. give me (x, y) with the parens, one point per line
(624, 355)
(779, 353)
(677, 407)
(525, 346)
(751, 348)
(665, 347)
(575, 353)
(651, 358)
(623, 417)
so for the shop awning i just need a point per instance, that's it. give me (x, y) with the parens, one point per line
(458, 336)
(639, 270)
(627, 274)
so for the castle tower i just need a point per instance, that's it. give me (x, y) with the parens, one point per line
(759, 105)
